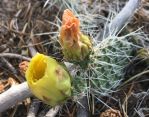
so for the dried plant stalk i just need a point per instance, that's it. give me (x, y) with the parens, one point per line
(14, 95)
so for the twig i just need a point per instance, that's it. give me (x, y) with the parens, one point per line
(34, 108)
(43, 112)
(14, 95)
(121, 19)
(52, 112)
(14, 31)
(11, 55)
(82, 108)
(14, 111)
(32, 49)
(134, 77)
(12, 69)
(125, 14)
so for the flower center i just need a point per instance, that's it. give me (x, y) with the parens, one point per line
(39, 67)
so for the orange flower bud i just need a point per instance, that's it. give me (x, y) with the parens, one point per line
(70, 28)
(75, 45)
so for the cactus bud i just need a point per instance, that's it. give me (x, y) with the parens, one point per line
(48, 80)
(75, 45)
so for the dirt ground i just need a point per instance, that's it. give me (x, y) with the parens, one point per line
(22, 21)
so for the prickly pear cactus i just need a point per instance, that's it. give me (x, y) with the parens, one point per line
(75, 45)
(105, 69)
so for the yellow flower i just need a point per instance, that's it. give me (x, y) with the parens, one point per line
(75, 45)
(48, 80)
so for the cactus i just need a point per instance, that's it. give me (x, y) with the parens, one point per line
(48, 80)
(106, 58)
(105, 63)
(105, 69)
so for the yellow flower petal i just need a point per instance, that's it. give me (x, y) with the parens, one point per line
(48, 80)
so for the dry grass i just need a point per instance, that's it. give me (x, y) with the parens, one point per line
(39, 22)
